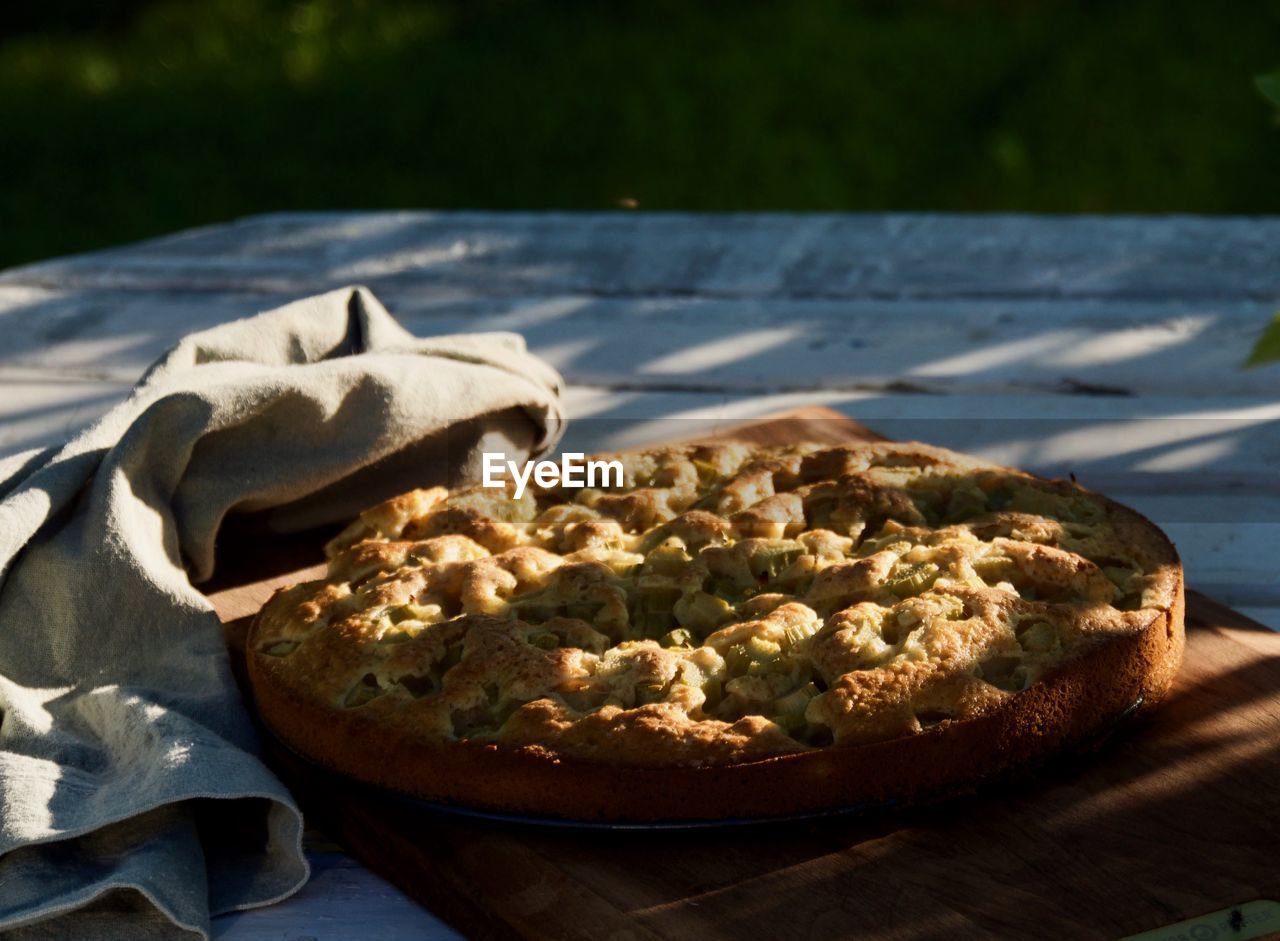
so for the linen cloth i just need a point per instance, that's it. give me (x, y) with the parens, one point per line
(132, 801)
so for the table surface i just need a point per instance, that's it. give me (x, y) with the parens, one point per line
(1110, 348)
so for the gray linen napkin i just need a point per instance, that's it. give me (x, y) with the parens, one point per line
(132, 803)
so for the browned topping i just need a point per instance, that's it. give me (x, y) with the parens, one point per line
(724, 604)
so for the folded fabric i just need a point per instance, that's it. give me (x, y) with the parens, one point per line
(132, 800)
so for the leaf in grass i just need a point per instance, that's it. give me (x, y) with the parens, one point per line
(1269, 85)
(1267, 349)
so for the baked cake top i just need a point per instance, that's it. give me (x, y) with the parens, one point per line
(726, 603)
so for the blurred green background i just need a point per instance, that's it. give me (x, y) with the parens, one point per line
(127, 118)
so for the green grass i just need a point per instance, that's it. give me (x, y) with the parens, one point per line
(142, 117)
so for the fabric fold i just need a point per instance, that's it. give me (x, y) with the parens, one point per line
(123, 734)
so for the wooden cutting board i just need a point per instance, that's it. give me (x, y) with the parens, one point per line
(1176, 816)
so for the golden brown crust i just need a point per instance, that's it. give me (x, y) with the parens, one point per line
(936, 618)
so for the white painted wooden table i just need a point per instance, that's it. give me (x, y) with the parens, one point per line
(1105, 347)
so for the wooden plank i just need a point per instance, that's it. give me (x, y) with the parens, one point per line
(1067, 346)
(1095, 845)
(114, 335)
(1073, 346)
(781, 254)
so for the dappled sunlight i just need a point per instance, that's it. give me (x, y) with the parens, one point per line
(91, 352)
(998, 354)
(325, 230)
(721, 351)
(1085, 347)
(1244, 413)
(563, 354)
(408, 259)
(536, 313)
(1092, 348)
(1191, 456)
(1100, 440)
(109, 333)
(653, 289)
(1113, 346)
(17, 298)
(35, 413)
(607, 419)
(331, 234)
